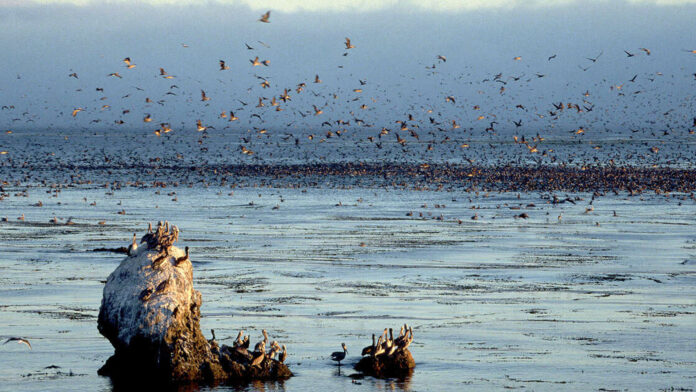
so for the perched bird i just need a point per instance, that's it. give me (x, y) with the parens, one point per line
(367, 350)
(133, 247)
(338, 356)
(182, 258)
(283, 355)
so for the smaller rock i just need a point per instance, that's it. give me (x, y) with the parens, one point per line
(388, 357)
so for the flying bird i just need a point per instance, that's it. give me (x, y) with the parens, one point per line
(223, 67)
(129, 65)
(164, 74)
(18, 340)
(594, 60)
(264, 17)
(348, 44)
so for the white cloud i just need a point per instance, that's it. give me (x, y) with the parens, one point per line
(350, 5)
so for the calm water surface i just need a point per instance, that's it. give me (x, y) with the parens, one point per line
(586, 302)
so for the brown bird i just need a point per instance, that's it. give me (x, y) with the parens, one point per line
(164, 74)
(223, 67)
(18, 340)
(647, 51)
(264, 17)
(204, 97)
(348, 44)
(283, 355)
(129, 65)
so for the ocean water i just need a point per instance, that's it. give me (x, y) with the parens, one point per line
(601, 298)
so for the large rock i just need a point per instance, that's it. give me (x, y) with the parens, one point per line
(150, 313)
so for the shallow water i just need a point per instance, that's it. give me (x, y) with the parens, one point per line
(586, 302)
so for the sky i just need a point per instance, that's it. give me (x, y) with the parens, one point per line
(543, 49)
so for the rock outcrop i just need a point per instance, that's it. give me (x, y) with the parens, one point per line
(388, 357)
(150, 313)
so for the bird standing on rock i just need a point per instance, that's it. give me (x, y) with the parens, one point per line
(132, 248)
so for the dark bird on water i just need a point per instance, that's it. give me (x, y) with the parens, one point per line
(338, 356)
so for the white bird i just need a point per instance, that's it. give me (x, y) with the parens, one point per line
(132, 248)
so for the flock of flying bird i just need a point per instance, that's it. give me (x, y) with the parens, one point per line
(447, 126)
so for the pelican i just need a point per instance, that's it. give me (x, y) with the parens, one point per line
(369, 349)
(283, 355)
(183, 258)
(238, 341)
(348, 44)
(264, 17)
(132, 248)
(223, 67)
(129, 65)
(259, 356)
(338, 356)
